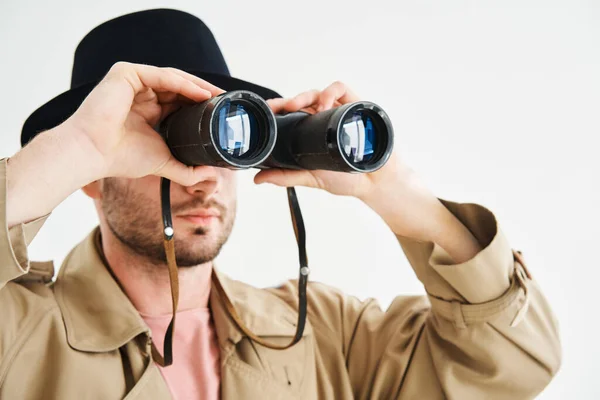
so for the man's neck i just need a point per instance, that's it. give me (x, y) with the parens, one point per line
(148, 286)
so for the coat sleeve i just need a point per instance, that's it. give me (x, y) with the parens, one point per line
(483, 329)
(14, 258)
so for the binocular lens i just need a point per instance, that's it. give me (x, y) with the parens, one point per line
(354, 137)
(358, 137)
(234, 130)
(237, 129)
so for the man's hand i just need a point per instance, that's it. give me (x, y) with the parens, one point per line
(365, 186)
(111, 134)
(340, 183)
(394, 191)
(116, 120)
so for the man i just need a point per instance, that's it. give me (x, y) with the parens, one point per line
(484, 330)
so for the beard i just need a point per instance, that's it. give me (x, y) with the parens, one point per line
(141, 230)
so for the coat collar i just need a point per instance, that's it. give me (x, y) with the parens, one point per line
(99, 316)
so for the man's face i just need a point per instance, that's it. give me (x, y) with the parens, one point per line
(132, 211)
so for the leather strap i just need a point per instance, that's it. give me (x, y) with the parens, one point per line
(168, 239)
(174, 279)
(167, 358)
(300, 233)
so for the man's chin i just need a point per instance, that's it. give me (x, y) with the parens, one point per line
(195, 260)
(197, 251)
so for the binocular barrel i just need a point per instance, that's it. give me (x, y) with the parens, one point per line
(238, 130)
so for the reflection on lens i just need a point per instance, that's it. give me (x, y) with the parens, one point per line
(358, 137)
(237, 129)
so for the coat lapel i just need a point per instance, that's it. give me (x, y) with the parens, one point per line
(99, 318)
(151, 386)
(249, 370)
(98, 315)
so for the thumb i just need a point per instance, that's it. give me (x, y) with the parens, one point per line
(286, 178)
(276, 104)
(178, 172)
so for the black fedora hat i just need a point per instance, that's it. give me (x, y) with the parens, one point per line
(160, 37)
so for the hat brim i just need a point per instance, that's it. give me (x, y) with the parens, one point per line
(60, 108)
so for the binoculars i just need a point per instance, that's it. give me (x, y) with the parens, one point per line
(237, 130)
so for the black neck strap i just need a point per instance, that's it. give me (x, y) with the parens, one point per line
(168, 235)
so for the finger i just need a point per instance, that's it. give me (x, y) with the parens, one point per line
(277, 104)
(214, 90)
(337, 91)
(141, 76)
(165, 98)
(144, 95)
(310, 110)
(180, 173)
(286, 178)
(303, 100)
(163, 79)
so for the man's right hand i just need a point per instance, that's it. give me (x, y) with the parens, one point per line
(110, 135)
(118, 116)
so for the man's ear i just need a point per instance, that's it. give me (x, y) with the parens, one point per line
(93, 190)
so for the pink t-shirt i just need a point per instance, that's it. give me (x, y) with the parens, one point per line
(195, 372)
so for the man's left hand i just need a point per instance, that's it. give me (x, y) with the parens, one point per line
(394, 191)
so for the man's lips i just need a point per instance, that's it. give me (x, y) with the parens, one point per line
(198, 220)
(211, 212)
(201, 216)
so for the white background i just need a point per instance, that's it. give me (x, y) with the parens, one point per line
(494, 102)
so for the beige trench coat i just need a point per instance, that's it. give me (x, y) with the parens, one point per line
(482, 331)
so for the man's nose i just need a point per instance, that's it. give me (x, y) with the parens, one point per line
(208, 184)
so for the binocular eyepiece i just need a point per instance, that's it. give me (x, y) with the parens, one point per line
(237, 130)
